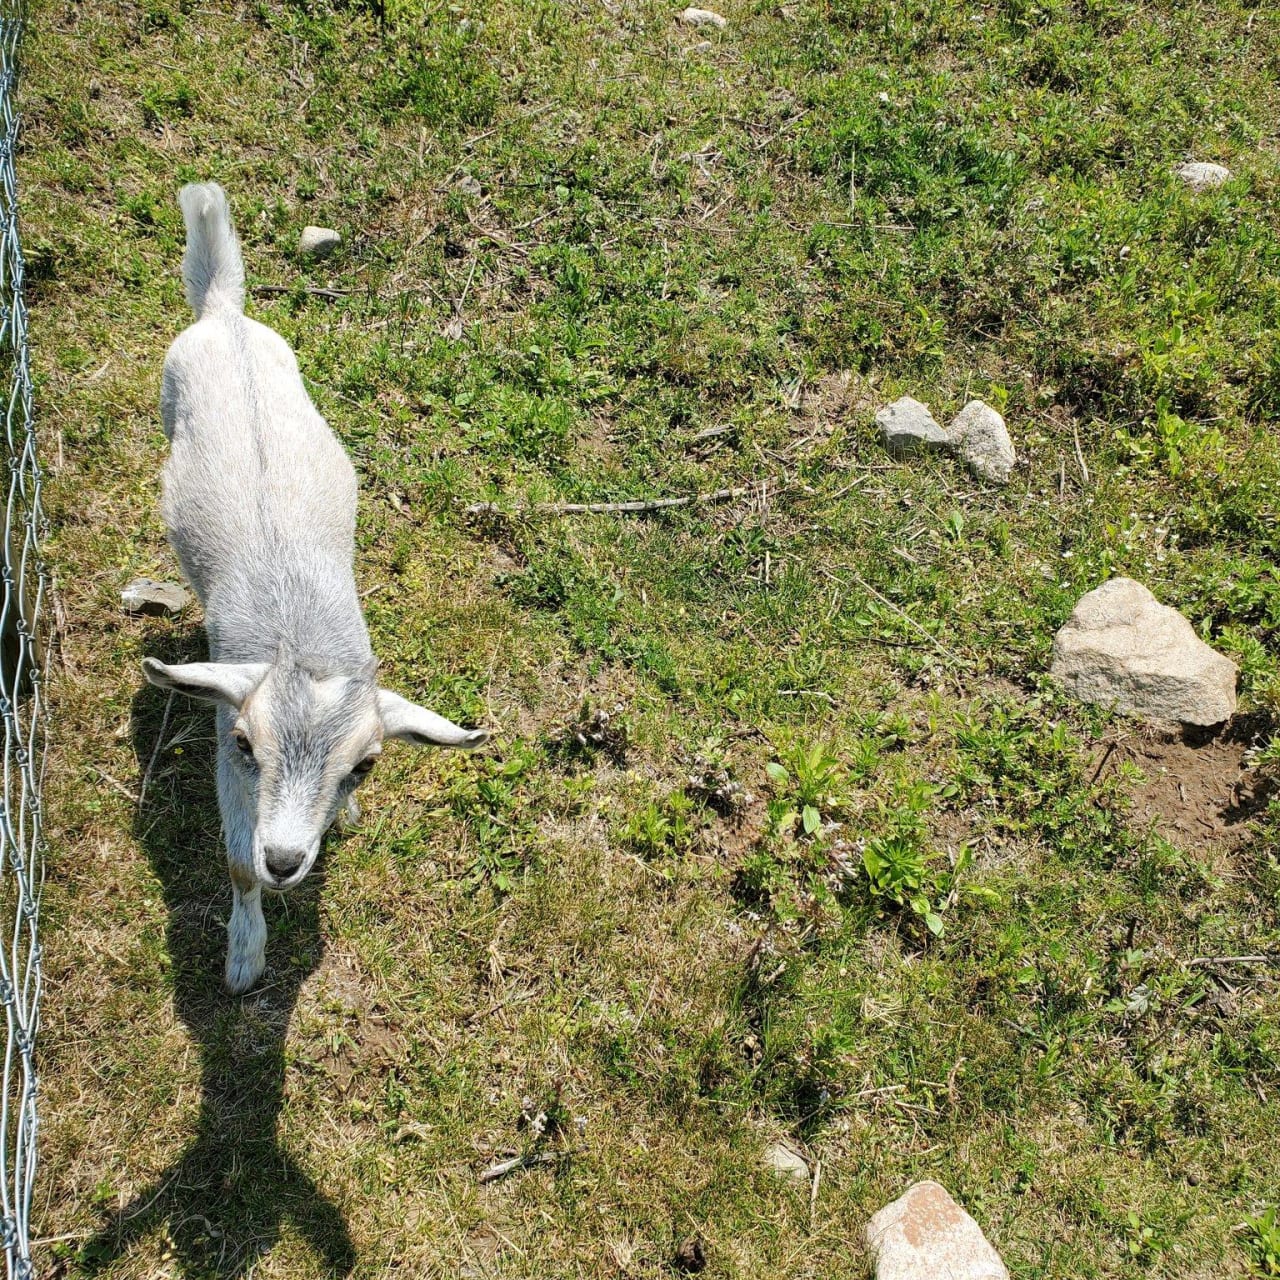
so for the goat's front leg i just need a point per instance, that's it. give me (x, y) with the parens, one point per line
(247, 929)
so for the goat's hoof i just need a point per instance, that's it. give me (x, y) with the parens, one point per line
(243, 972)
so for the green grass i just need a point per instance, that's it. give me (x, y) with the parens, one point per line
(784, 831)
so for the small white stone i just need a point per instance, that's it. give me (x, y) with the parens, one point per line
(318, 242)
(782, 1159)
(703, 18)
(1200, 175)
(925, 1235)
(1122, 648)
(470, 186)
(907, 426)
(978, 434)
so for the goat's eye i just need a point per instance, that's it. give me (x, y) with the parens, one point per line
(242, 742)
(361, 770)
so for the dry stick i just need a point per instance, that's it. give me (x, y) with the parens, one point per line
(607, 508)
(115, 782)
(710, 433)
(1084, 470)
(1269, 959)
(151, 764)
(907, 618)
(504, 1167)
(813, 1192)
(332, 294)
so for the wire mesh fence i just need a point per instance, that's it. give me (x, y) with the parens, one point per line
(21, 842)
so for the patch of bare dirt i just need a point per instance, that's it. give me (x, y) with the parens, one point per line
(361, 1043)
(835, 396)
(1198, 787)
(734, 836)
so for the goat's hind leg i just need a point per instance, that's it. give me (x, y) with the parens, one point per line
(247, 928)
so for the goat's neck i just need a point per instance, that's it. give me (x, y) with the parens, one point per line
(293, 598)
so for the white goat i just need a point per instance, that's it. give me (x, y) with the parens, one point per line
(260, 503)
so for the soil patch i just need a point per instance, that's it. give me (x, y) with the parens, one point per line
(1198, 787)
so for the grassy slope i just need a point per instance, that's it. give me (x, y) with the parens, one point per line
(931, 197)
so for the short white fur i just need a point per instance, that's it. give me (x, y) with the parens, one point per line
(260, 504)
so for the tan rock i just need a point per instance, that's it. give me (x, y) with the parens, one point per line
(1121, 647)
(925, 1235)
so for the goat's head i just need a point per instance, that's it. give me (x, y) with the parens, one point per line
(300, 740)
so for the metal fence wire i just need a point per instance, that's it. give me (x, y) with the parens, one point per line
(21, 702)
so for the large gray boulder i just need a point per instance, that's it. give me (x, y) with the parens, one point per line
(1121, 647)
(907, 426)
(978, 434)
(925, 1235)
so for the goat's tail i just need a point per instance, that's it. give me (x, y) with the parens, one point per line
(212, 268)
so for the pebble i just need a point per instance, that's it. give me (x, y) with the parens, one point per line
(318, 242)
(703, 18)
(783, 1159)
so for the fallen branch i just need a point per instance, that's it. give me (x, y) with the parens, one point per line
(607, 508)
(1274, 958)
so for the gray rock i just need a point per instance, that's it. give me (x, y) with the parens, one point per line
(925, 1235)
(470, 186)
(1199, 175)
(1122, 648)
(978, 434)
(318, 242)
(703, 18)
(783, 1159)
(143, 595)
(907, 426)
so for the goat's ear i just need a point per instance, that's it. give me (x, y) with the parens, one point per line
(229, 682)
(411, 723)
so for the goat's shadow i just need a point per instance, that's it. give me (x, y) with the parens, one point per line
(226, 1197)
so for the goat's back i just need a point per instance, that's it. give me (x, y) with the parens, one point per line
(254, 472)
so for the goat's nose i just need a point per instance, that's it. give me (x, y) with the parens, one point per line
(282, 861)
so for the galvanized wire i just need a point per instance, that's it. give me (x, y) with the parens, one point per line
(21, 709)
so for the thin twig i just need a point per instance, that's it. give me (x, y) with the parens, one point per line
(115, 782)
(151, 764)
(711, 433)
(813, 1191)
(1106, 755)
(466, 288)
(1273, 958)
(1084, 470)
(910, 621)
(504, 1167)
(332, 295)
(607, 508)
